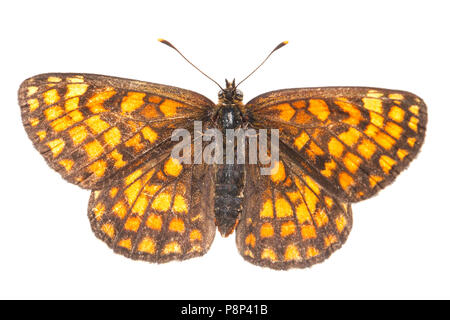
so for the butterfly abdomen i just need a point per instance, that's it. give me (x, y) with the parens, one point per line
(229, 179)
(229, 196)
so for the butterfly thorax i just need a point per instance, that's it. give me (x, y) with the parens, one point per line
(229, 117)
(230, 108)
(229, 177)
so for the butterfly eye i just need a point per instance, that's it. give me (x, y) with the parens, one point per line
(239, 94)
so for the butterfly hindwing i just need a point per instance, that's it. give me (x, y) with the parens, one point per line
(162, 211)
(91, 127)
(352, 140)
(288, 219)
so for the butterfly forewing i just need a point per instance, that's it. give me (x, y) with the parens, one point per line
(352, 141)
(162, 211)
(89, 127)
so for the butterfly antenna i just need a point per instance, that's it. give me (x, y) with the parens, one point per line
(167, 43)
(282, 44)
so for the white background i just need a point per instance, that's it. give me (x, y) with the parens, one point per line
(399, 245)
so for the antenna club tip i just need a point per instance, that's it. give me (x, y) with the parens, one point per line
(167, 43)
(285, 42)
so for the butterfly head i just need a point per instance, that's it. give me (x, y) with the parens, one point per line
(230, 94)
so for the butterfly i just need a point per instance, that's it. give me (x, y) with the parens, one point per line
(337, 146)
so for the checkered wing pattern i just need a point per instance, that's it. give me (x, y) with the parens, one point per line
(162, 211)
(353, 141)
(338, 145)
(289, 221)
(91, 128)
